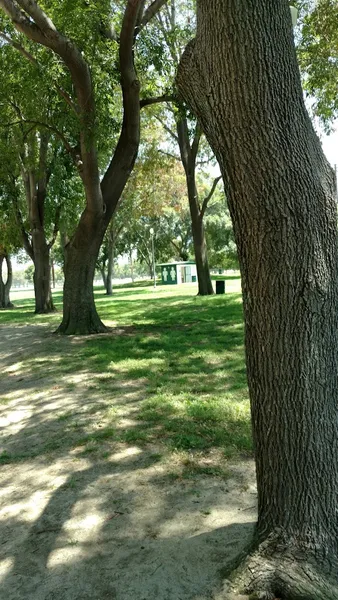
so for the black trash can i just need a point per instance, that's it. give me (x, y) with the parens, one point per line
(220, 286)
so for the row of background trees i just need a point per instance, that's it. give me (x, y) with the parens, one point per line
(61, 176)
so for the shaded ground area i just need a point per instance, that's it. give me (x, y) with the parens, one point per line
(125, 459)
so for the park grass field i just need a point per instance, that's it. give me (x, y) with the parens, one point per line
(125, 458)
(184, 352)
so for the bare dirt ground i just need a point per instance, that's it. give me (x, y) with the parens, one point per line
(76, 526)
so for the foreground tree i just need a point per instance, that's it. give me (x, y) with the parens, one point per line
(240, 76)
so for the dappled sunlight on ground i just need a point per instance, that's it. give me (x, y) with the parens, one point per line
(115, 475)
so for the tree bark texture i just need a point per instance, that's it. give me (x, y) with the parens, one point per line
(79, 311)
(200, 246)
(42, 272)
(240, 76)
(5, 286)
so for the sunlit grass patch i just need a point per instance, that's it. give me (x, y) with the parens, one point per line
(4, 401)
(171, 375)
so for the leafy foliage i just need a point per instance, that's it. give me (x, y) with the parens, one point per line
(318, 56)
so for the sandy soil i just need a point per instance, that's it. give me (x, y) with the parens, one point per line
(74, 527)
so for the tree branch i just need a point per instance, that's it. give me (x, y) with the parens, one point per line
(39, 16)
(56, 225)
(209, 196)
(20, 48)
(184, 142)
(109, 32)
(122, 163)
(157, 100)
(151, 11)
(196, 141)
(41, 29)
(140, 14)
(24, 236)
(165, 126)
(34, 61)
(60, 135)
(170, 155)
(41, 188)
(68, 99)
(176, 247)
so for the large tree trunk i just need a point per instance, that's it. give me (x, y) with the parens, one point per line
(42, 273)
(5, 286)
(79, 311)
(241, 78)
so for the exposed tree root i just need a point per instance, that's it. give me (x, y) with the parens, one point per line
(285, 574)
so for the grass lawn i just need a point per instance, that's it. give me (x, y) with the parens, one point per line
(169, 376)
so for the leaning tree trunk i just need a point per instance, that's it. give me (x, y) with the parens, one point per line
(42, 273)
(5, 286)
(241, 78)
(79, 311)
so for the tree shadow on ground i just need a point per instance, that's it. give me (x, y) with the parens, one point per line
(103, 533)
(187, 381)
(108, 480)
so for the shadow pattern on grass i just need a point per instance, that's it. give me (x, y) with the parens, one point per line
(169, 383)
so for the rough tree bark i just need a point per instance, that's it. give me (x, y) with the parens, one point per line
(42, 273)
(241, 78)
(5, 286)
(79, 313)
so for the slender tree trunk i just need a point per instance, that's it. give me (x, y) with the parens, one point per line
(53, 273)
(79, 311)
(64, 239)
(132, 266)
(188, 156)
(200, 247)
(42, 278)
(104, 277)
(111, 243)
(282, 202)
(5, 286)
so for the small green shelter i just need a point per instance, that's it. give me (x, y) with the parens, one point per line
(178, 272)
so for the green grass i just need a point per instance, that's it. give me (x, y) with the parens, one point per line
(175, 361)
